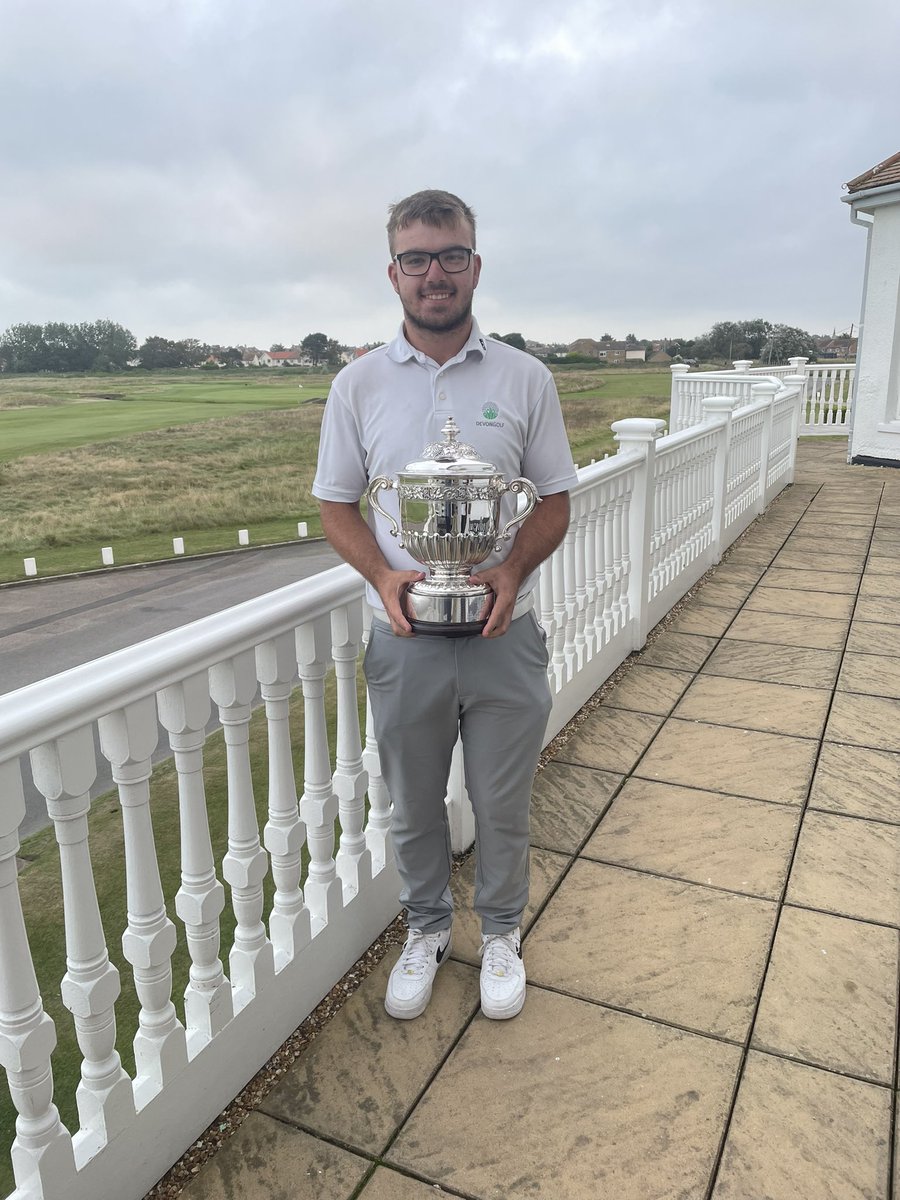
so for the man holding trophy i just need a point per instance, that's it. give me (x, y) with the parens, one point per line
(455, 648)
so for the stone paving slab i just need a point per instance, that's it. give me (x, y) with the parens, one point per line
(712, 936)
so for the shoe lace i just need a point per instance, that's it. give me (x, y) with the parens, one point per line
(418, 951)
(499, 953)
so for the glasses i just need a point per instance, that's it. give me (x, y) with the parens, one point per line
(418, 262)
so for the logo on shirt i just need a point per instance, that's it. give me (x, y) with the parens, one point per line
(489, 411)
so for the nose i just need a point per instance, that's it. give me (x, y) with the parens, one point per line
(435, 270)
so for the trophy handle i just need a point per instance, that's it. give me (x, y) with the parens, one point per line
(526, 488)
(382, 483)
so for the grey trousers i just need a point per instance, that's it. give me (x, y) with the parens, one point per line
(494, 693)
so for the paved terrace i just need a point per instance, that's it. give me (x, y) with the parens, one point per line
(712, 946)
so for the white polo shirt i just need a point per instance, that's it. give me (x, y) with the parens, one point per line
(385, 407)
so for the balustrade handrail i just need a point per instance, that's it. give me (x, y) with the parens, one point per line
(646, 524)
(52, 707)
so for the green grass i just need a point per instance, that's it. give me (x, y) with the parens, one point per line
(42, 414)
(240, 454)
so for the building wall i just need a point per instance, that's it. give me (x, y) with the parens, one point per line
(876, 417)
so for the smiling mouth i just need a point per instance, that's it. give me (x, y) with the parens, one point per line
(436, 295)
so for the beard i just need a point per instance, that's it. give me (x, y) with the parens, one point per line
(455, 318)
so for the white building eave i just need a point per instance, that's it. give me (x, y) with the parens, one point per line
(872, 198)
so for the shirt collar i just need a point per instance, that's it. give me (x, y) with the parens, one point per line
(400, 349)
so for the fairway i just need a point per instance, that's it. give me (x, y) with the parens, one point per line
(39, 415)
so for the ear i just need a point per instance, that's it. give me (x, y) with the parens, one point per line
(476, 269)
(392, 276)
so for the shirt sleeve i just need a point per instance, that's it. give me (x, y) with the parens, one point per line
(341, 468)
(548, 460)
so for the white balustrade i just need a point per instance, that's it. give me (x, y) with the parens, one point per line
(319, 804)
(184, 711)
(646, 523)
(128, 738)
(63, 771)
(284, 834)
(252, 959)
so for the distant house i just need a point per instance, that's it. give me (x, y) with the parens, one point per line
(585, 346)
(660, 356)
(287, 358)
(841, 347)
(251, 357)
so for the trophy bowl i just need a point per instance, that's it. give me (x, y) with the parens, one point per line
(449, 509)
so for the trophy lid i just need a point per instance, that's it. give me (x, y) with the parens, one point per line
(450, 457)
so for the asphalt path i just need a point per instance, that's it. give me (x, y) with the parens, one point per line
(48, 626)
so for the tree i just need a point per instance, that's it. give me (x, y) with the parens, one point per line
(731, 340)
(514, 339)
(275, 347)
(786, 341)
(315, 347)
(159, 352)
(631, 339)
(57, 346)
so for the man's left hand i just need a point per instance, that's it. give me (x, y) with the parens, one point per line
(504, 581)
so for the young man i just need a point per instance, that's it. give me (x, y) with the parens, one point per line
(425, 689)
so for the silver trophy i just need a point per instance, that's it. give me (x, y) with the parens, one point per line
(450, 522)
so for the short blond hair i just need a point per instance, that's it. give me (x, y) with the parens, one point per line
(431, 207)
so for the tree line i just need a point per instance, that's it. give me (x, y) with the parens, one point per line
(96, 346)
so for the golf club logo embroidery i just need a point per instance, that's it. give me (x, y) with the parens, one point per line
(490, 412)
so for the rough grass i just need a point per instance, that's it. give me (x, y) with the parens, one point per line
(222, 471)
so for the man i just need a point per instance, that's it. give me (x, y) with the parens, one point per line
(425, 689)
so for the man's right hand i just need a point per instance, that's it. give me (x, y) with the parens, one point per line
(392, 587)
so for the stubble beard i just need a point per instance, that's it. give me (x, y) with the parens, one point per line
(448, 324)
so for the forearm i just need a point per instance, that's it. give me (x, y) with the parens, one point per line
(347, 531)
(354, 541)
(540, 534)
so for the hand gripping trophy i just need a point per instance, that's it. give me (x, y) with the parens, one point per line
(449, 505)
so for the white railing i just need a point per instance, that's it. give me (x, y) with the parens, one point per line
(646, 524)
(827, 392)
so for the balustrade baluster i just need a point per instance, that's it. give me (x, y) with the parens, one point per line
(558, 665)
(252, 959)
(128, 738)
(63, 772)
(378, 826)
(354, 862)
(591, 581)
(579, 523)
(284, 834)
(568, 557)
(184, 710)
(42, 1155)
(318, 804)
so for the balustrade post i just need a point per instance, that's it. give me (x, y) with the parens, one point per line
(797, 408)
(742, 365)
(232, 686)
(284, 834)
(637, 439)
(719, 410)
(571, 602)
(63, 772)
(354, 861)
(764, 391)
(580, 551)
(318, 804)
(678, 370)
(128, 738)
(591, 582)
(42, 1156)
(184, 710)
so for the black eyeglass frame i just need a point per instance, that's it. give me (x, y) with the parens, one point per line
(398, 259)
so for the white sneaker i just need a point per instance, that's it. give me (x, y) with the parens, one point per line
(502, 975)
(409, 985)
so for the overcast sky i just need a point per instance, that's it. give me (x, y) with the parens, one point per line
(222, 170)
